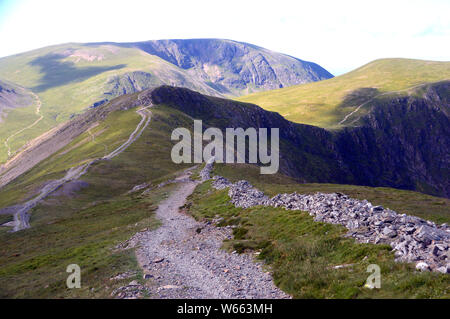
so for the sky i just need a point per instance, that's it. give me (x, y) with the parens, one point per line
(339, 35)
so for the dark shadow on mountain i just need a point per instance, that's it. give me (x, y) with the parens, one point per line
(58, 73)
(359, 96)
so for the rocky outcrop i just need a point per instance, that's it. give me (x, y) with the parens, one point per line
(413, 239)
(232, 67)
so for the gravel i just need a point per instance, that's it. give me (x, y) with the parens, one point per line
(183, 258)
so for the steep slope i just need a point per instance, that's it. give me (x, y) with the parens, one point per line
(13, 96)
(19, 112)
(70, 78)
(235, 68)
(328, 103)
(403, 141)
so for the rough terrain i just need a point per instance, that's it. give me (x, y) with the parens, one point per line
(183, 258)
(413, 239)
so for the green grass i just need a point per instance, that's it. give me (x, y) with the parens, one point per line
(83, 228)
(147, 158)
(33, 262)
(301, 252)
(67, 85)
(326, 103)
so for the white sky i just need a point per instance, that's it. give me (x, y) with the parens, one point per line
(339, 35)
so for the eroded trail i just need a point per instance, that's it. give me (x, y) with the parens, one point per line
(184, 258)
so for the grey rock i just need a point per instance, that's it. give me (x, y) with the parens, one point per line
(412, 239)
(389, 232)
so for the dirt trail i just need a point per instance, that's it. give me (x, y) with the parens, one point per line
(21, 216)
(184, 258)
(38, 112)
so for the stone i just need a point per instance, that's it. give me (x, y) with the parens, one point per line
(443, 269)
(412, 238)
(389, 232)
(377, 208)
(158, 260)
(422, 266)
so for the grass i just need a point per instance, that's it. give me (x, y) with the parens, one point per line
(302, 253)
(67, 85)
(147, 158)
(84, 227)
(326, 103)
(33, 262)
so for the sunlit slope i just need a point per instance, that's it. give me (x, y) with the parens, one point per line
(326, 103)
(69, 78)
(146, 159)
(77, 72)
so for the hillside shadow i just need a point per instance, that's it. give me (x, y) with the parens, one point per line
(58, 73)
(359, 96)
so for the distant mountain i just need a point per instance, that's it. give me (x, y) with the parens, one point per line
(343, 100)
(235, 68)
(70, 78)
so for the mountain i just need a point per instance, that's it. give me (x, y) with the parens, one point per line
(342, 100)
(401, 143)
(84, 204)
(68, 79)
(235, 68)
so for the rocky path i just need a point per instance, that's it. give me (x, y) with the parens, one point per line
(183, 258)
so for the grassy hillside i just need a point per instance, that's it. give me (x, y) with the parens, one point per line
(83, 221)
(302, 252)
(326, 103)
(69, 78)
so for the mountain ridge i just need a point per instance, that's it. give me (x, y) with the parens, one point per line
(327, 103)
(70, 78)
(393, 146)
